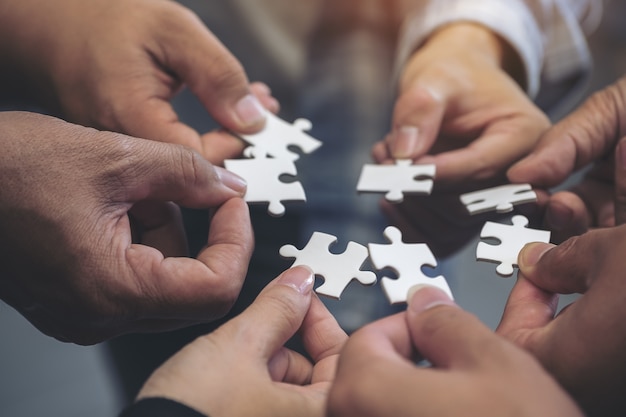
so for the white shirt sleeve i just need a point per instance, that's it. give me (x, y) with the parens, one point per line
(548, 35)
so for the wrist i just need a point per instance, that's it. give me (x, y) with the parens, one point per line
(480, 41)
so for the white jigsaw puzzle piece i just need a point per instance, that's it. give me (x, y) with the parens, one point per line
(500, 199)
(512, 239)
(396, 180)
(406, 259)
(336, 269)
(264, 185)
(278, 135)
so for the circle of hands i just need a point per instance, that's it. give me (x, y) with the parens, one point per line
(93, 244)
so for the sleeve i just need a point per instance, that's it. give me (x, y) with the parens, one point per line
(159, 407)
(548, 35)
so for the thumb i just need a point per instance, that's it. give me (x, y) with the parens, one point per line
(159, 171)
(417, 116)
(567, 268)
(443, 333)
(277, 313)
(584, 136)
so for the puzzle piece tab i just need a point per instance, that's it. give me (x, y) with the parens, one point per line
(512, 239)
(264, 184)
(278, 135)
(397, 180)
(406, 259)
(336, 269)
(500, 199)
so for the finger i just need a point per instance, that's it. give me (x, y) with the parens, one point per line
(195, 289)
(417, 117)
(264, 94)
(566, 215)
(219, 145)
(620, 182)
(489, 155)
(161, 227)
(277, 313)
(566, 268)
(165, 172)
(446, 335)
(290, 367)
(527, 309)
(587, 134)
(212, 73)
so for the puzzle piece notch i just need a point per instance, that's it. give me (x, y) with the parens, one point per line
(406, 259)
(512, 239)
(397, 180)
(500, 198)
(278, 135)
(263, 176)
(338, 270)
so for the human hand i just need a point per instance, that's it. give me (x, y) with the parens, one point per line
(474, 372)
(75, 204)
(243, 369)
(459, 108)
(584, 345)
(591, 134)
(116, 65)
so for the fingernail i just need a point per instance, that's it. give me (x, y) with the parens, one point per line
(300, 278)
(558, 217)
(232, 180)
(421, 297)
(405, 142)
(532, 253)
(250, 111)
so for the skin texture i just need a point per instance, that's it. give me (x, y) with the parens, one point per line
(474, 372)
(591, 135)
(460, 109)
(584, 345)
(116, 65)
(243, 369)
(91, 237)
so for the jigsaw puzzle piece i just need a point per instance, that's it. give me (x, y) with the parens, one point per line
(406, 259)
(264, 185)
(278, 135)
(397, 180)
(338, 270)
(500, 199)
(512, 239)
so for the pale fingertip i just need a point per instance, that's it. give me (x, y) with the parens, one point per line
(532, 253)
(232, 180)
(250, 111)
(405, 141)
(300, 278)
(422, 297)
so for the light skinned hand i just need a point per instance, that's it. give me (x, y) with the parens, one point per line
(460, 109)
(116, 65)
(474, 372)
(584, 345)
(243, 368)
(593, 134)
(77, 206)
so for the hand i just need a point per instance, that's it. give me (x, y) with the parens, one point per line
(242, 368)
(591, 134)
(116, 64)
(74, 205)
(474, 372)
(461, 110)
(584, 345)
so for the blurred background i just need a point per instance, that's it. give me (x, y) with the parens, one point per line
(42, 377)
